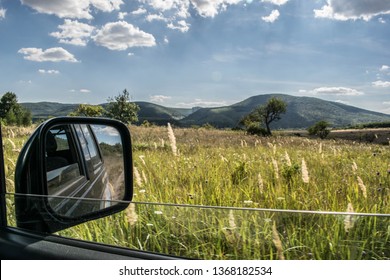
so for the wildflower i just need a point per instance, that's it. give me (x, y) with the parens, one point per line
(158, 212)
(172, 140)
(305, 172)
(248, 201)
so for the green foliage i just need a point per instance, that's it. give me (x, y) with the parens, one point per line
(319, 129)
(87, 111)
(12, 113)
(120, 108)
(240, 173)
(372, 125)
(254, 129)
(208, 126)
(264, 115)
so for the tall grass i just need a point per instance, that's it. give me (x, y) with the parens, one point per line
(239, 174)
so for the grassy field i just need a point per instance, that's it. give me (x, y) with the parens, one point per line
(235, 176)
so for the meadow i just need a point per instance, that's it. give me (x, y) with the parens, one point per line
(220, 194)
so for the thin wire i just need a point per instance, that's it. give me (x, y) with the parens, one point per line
(313, 212)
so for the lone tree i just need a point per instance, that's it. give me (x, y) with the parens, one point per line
(88, 111)
(264, 115)
(12, 113)
(120, 108)
(320, 129)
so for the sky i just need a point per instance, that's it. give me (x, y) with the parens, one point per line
(188, 53)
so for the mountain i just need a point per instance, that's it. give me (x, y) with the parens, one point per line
(45, 110)
(160, 115)
(148, 111)
(302, 112)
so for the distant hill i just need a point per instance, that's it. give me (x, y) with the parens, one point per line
(45, 110)
(160, 115)
(148, 111)
(302, 112)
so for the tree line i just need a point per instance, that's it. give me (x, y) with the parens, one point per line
(119, 107)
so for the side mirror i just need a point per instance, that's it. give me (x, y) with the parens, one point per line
(73, 170)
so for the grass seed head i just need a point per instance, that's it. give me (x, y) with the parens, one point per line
(277, 242)
(349, 220)
(305, 172)
(172, 139)
(137, 177)
(131, 214)
(362, 186)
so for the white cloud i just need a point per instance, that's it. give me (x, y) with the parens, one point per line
(52, 72)
(156, 17)
(73, 32)
(384, 68)
(381, 20)
(122, 35)
(180, 8)
(53, 55)
(166, 40)
(80, 9)
(205, 8)
(139, 11)
(122, 15)
(83, 90)
(181, 25)
(336, 91)
(130, 54)
(276, 2)
(2, 13)
(210, 8)
(272, 17)
(159, 98)
(202, 103)
(386, 102)
(353, 10)
(381, 84)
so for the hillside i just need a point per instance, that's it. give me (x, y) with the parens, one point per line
(302, 112)
(160, 115)
(148, 111)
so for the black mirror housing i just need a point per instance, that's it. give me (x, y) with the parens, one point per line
(41, 207)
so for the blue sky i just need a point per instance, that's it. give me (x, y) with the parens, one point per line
(196, 52)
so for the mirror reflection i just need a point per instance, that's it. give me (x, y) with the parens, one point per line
(83, 163)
